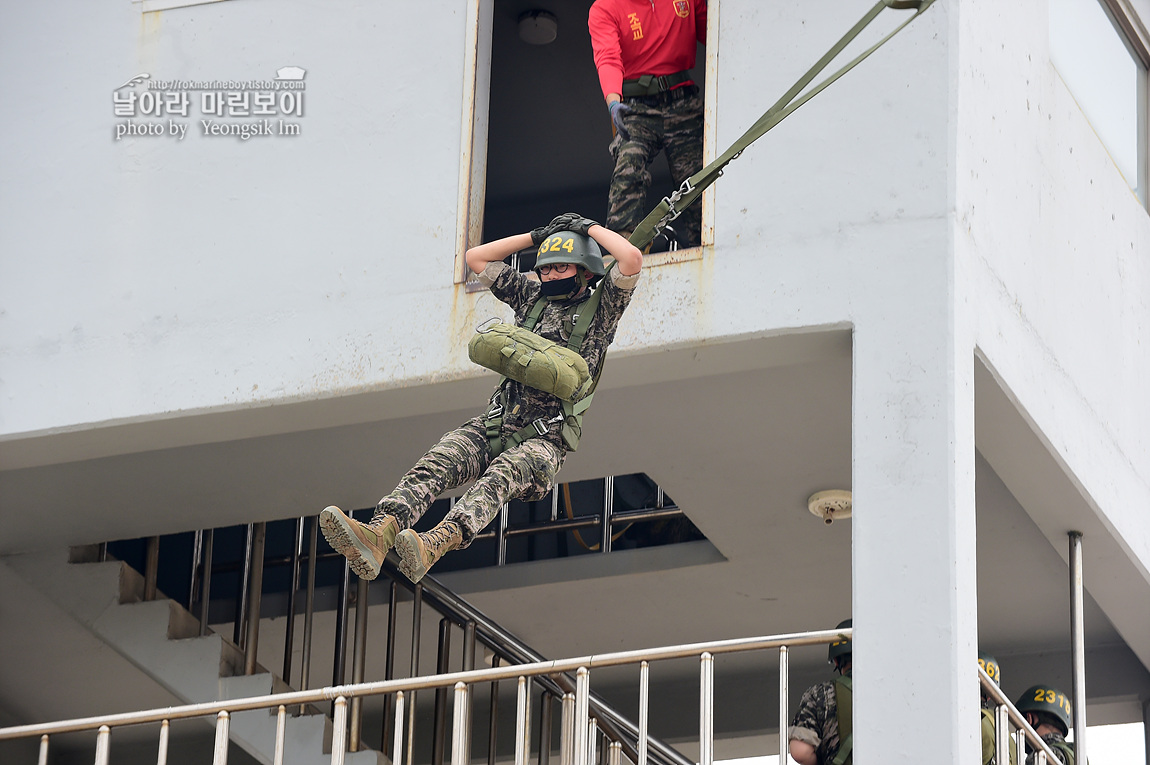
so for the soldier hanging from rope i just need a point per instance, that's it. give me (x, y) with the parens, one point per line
(552, 358)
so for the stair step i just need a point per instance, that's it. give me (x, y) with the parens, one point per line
(162, 638)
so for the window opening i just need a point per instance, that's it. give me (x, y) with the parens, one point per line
(548, 130)
(1107, 79)
(565, 524)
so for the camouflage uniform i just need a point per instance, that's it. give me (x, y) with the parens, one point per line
(672, 122)
(526, 471)
(816, 721)
(1057, 742)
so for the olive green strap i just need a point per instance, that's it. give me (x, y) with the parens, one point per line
(493, 422)
(844, 714)
(672, 206)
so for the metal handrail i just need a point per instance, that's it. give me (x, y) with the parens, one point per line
(513, 650)
(991, 689)
(539, 669)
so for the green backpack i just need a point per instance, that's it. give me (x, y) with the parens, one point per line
(546, 363)
(524, 356)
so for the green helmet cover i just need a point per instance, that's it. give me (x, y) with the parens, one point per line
(990, 666)
(841, 646)
(1043, 698)
(569, 247)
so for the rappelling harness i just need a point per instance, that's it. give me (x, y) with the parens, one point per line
(516, 359)
(519, 355)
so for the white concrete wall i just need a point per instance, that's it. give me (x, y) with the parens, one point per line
(930, 200)
(149, 276)
(1056, 254)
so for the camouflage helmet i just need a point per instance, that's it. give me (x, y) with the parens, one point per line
(569, 247)
(1048, 700)
(841, 646)
(990, 666)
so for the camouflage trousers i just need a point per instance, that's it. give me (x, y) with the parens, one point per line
(526, 471)
(675, 128)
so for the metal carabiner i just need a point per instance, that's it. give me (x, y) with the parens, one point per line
(483, 328)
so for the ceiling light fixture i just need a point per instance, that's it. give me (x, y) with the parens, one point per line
(538, 27)
(830, 505)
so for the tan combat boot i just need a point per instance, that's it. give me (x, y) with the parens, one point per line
(365, 545)
(419, 552)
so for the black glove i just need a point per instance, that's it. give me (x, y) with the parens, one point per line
(618, 109)
(558, 223)
(577, 223)
(565, 222)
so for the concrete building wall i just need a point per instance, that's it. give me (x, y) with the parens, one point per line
(1053, 248)
(148, 276)
(930, 202)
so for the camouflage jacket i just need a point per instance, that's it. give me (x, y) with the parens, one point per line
(526, 404)
(1060, 746)
(816, 721)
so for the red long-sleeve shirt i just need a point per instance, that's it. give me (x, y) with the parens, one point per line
(631, 38)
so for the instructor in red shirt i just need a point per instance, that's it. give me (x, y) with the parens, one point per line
(644, 50)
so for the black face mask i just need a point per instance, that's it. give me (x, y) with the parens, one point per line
(558, 289)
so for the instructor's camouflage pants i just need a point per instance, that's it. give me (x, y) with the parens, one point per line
(526, 471)
(675, 128)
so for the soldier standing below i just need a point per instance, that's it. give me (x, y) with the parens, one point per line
(514, 449)
(820, 733)
(643, 51)
(1047, 710)
(990, 666)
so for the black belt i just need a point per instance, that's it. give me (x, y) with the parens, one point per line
(650, 85)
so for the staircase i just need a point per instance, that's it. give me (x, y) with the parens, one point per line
(162, 639)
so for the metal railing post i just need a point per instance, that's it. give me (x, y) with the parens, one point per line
(784, 692)
(43, 759)
(439, 723)
(309, 604)
(103, 744)
(523, 722)
(252, 643)
(493, 716)
(1001, 734)
(389, 665)
(461, 728)
(416, 619)
(501, 554)
(193, 579)
(281, 730)
(1077, 638)
(162, 748)
(339, 731)
(707, 709)
(579, 731)
(615, 753)
(206, 580)
(151, 567)
(397, 738)
(359, 661)
(339, 660)
(608, 509)
(567, 729)
(238, 633)
(220, 750)
(546, 712)
(644, 681)
(293, 586)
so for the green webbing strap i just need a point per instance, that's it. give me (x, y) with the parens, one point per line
(494, 424)
(843, 712)
(670, 208)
